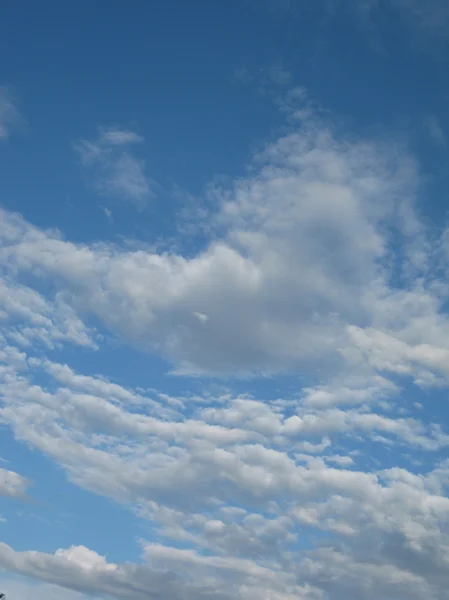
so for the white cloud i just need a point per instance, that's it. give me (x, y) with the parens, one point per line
(355, 390)
(427, 363)
(108, 214)
(83, 570)
(305, 278)
(12, 485)
(30, 317)
(114, 169)
(119, 137)
(184, 469)
(305, 254)
(85, 559)
(394, 525)
(341, 461)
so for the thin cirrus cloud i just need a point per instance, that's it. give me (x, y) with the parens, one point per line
(235, 490)
(430, 18)
(9, 115)
(427, 21)
(275, 75)
(435, 130)
(113, 168)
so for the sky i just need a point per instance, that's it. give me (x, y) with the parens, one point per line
(224, 300)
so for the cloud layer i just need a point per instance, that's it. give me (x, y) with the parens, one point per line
(319, 265)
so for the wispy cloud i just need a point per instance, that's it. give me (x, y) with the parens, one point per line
(430, 17)
(242, 75)
(426, 20)
(271, 77)
(434, 130)
(114, 169)
(9, 115)
(277, 74)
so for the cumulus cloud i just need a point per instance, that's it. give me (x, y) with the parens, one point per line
(115, 171)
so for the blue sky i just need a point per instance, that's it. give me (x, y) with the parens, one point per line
(224, 246)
